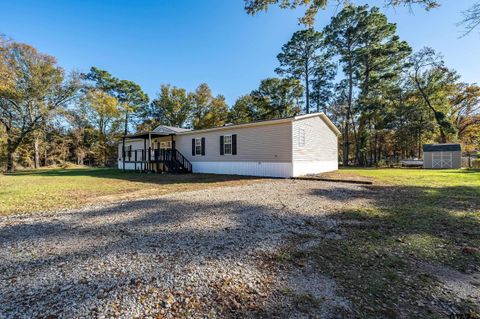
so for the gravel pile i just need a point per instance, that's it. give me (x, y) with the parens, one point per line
(205, 253)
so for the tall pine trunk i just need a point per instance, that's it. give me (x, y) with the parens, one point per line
(346, 140)
(126, 122)
(307, 90)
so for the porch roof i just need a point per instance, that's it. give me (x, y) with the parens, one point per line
(146, 135)
(161, 130)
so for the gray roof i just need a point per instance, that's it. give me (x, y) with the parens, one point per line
(441, 147)
(169, 129)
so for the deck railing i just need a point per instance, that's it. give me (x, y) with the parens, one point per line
(157, 159)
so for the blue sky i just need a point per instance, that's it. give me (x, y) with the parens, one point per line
(185, 43)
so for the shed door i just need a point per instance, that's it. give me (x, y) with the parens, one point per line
(442, 160)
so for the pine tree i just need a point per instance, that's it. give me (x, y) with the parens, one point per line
(299, 58)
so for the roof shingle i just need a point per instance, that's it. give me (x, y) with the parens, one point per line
(447, 147)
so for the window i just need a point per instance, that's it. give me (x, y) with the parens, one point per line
(166, 145)
(198, 146)
(227, 144)
(301, 137)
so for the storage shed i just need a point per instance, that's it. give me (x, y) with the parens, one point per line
(442, 156)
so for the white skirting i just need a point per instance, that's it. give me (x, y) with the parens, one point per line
(268, 169)
(301, 168)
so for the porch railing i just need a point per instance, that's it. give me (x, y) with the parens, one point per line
(159, 159)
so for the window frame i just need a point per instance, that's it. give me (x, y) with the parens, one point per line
(198, 146)
(301, 139)
(225, 144)
(165, 145)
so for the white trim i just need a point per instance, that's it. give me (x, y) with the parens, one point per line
(323, 117)
(267, 169)
(300, 137)
(301, 168)
(265, 122)
(235, 126)
(199, 139)
(269, 122)
(442, 160)
(225, 144)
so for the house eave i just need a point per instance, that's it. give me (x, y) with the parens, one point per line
(230, 127)
(323, 117)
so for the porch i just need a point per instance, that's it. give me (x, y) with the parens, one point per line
(157, 155)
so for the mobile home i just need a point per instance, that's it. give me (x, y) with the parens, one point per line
(287, 147)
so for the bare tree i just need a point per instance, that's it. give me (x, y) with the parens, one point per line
(471, 19)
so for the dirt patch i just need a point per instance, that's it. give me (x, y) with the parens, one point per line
(454, 283)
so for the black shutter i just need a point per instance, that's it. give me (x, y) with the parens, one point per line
(203, 145)
(221, 144)
(193, 147)
(234, 144)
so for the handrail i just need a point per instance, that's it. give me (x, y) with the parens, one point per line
(170, 157)
(183, 160)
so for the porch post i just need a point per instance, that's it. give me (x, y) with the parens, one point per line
(144, 157)
(123, 153)
(150, 166)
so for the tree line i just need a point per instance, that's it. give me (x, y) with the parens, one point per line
(469, 22)
(387, 100)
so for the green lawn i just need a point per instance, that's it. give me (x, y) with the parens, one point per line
(52, 189)
(417, 219)
(418, 177)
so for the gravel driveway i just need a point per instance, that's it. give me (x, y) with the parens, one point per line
(208, 253)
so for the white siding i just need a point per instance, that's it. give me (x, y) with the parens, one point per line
(270, 149)
(263, 143)
(318, 153)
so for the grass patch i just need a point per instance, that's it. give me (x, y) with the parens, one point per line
(416, 217)
(416, 176)
(54, 189)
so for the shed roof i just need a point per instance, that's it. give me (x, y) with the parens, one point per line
(447, 147)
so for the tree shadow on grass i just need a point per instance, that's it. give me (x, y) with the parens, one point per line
(381, 263)
(149, 178)
(145, 242)
(465, 171)
(66, 264)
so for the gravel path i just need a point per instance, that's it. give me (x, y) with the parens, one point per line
(207, 253)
